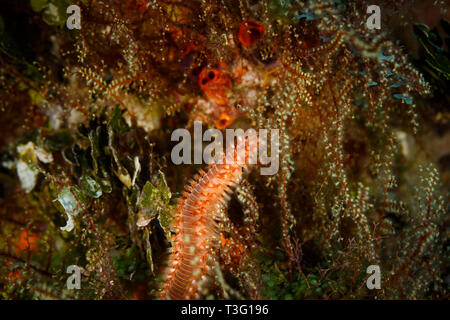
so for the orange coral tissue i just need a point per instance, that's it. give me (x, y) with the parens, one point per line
(250, 32)
(215, 84)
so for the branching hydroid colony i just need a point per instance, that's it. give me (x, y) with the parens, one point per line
(101, 106)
